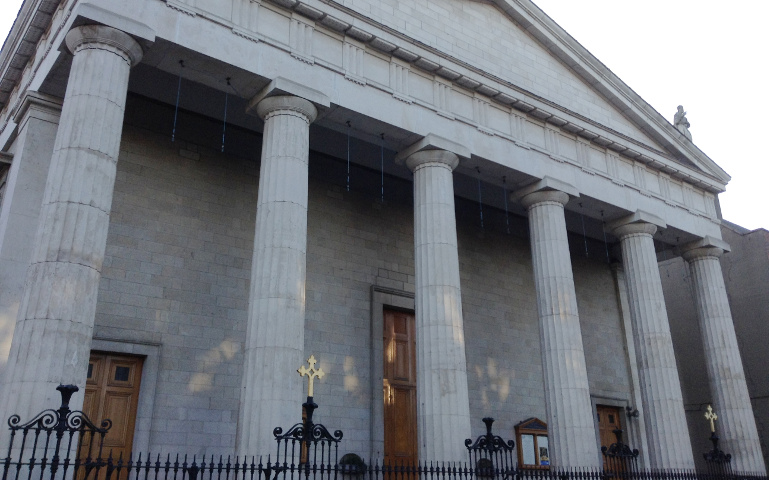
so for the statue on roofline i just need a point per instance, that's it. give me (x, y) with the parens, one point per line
(681, 123)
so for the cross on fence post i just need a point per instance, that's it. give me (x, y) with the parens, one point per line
(712, 417)
(312, 373)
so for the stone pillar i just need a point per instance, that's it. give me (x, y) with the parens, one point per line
(37, 121)
(51, 344)
(729, 390)
(663, 407)
(443, 408)
(272, 391)
(571, 431)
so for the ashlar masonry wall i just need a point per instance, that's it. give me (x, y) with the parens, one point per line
(176, 277)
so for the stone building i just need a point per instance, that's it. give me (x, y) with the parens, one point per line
(746, 276)
(423, 194)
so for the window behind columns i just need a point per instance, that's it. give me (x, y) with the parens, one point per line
(533, 447)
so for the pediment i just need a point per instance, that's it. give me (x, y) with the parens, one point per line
(531, 424)
(513, 43)
(616, 105)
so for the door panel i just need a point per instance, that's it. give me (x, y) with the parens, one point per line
(400, 388)
(112, 392)
(608, 421)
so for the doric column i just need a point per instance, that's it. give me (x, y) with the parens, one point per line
(736, 423)
(443, 411)
(664, 416)
(271, 393)
(52, 341)
(567, 393)
(37, 121)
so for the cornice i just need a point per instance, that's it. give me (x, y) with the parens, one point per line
(31, 24)
(598, 75)
(6, 158)
(433, 61)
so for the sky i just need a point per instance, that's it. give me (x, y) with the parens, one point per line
(702, 54)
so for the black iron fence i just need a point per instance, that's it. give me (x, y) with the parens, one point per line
(64, 444)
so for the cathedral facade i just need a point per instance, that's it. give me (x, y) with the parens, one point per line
(451, 205)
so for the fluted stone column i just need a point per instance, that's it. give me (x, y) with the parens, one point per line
(443, 411)
(52, 340)
(664, 416)
(37, 122)
(736, 423)
(272, 392)
(567, 394)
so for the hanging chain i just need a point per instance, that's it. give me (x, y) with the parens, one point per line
(349, 126)
(605, 243)
(226, 100)
(584, 235)
(382, 164)
(178, 94)
(504, 192)
(480, 199)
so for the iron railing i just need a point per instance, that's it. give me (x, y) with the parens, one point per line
(65, 445)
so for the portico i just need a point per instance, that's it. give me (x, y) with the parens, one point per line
(318, 82)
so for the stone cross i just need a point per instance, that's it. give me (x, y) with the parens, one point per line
(311, 372)
(712, 417)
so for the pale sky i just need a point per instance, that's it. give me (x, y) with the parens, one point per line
(703, 55)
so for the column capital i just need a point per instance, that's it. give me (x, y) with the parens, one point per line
(639, 222)
(704, 247)
(295, 97)
(88, 34)
(291, 103)
(444, 157)
(546, 190)
(432, 142)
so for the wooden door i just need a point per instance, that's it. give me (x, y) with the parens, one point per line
(608, 421)
(112, 392)
(400, 388)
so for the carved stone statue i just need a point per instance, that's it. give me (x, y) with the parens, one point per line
(681, 123)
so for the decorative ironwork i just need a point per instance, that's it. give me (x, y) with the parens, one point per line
(55, 439)
(64, 444)
(619, 456)
(306, 442)
(718, 461)
(490, 455)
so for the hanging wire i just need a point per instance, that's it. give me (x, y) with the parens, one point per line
(605, 243)
(178, 94)
(224, 125)
(504, 194)
(584, 235)
(349, 126)
(382, 164)
(480, 199)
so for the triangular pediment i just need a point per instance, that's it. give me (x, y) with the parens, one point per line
(590, 88)
(531, 424)
(514, 43)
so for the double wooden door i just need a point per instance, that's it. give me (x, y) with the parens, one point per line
(112, 392)
(400, 388)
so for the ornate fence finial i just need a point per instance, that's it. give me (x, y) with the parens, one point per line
(312, 373)
(711, 416)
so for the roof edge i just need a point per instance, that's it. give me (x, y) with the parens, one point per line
(551, 35)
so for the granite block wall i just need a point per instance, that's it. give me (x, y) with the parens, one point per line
(176, 275)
